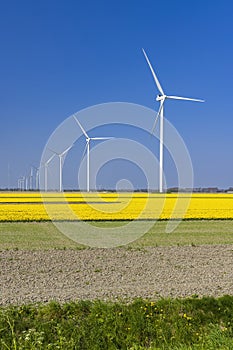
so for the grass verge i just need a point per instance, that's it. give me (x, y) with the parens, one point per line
(192, 323)
(44, 235)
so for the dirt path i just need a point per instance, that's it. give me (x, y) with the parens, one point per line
(64, 275)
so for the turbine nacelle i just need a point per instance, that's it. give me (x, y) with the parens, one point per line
(160, 97)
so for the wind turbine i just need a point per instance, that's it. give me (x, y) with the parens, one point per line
(88, 140)
(161, 97)
(37, 170)
(46, 172)
(21, 183)
(61, 155)
(37, 179)
(26, 183)
(31, 179)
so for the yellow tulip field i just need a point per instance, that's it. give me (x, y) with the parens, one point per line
(34, 206)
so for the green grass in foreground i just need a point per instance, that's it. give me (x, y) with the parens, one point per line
(192, 323)
(44, 235)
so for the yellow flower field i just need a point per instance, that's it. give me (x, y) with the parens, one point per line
(28, 206)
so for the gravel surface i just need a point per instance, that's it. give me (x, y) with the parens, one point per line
(111, 274)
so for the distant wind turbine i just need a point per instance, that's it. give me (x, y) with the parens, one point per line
(31, 179)
(61, 155)
(87, 148)
(161, 98)
(26, 183)
(21, 183)
(37, 179)
(37, 170)
(46, 172)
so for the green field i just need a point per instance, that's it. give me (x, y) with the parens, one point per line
(44, 235)
(178, 324)
(168, 324)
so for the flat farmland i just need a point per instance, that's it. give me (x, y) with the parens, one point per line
(113, 206)
(39, 263)
(44, 235)
(25, 218)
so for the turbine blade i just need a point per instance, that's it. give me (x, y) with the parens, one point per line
(34, 167)
(49, 160)
(84, 132)
(66, 150)
(84, 151)
(51, 150)
(185, 98)
(157, 117)
(155, 123)
(153, 73)
(101, 138)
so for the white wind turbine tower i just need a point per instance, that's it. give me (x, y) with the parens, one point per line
(31, 179)
(88, 140)
(46, 172)
(37, 179)
(37, 171)
(61, 155)
(23, 183)
(161, 97)
(26, 183)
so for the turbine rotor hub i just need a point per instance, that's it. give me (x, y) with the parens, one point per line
(160, 97)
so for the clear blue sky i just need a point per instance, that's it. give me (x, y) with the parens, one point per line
(58, 57)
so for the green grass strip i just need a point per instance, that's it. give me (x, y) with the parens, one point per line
(44, 235)
(191, 323)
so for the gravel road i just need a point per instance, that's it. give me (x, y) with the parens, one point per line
(111, 274)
